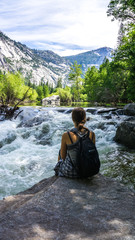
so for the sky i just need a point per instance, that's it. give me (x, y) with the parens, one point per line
(67, 27)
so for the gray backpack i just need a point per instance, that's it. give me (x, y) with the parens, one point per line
(87, 160)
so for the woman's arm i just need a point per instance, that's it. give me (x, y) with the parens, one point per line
(63, 150)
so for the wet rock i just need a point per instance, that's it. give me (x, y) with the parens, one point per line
(42, 131)
(45, 141)
(107, 116)
(60, 208)
(129, 109)
(8, 139)
(125, 134)
(120, 112)
(106, 110)
(26, 134)
(40, 134)
(62, 110)
(91, 110)
(111, 123)
(101, 125)
(32, 122)
(131, 118)
(43, 135)
(45, 128)
(27, 113)
(104, 125)
(68, 110)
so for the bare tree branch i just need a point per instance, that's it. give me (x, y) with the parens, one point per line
(9, 112)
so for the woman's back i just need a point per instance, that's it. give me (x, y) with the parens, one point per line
(68, 153)
(75, 137)
(66, 141)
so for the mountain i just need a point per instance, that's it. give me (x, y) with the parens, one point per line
(44, 65)
(35, 65)
(50, 56)
(91, 58)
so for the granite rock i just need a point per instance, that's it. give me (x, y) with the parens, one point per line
(129, 109)
(125, 134)
(68, 209)
(51, 101)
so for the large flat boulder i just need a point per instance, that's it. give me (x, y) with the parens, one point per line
(70, 209)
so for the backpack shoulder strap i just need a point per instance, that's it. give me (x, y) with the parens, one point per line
(92, 136)
(74, 130)
(70, 137)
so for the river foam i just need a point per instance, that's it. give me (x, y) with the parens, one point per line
(30, 144)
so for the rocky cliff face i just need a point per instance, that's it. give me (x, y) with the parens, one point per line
(45, 66)
(69, 209)
(15, 56)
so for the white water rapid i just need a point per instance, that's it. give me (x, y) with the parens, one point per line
(30, 144)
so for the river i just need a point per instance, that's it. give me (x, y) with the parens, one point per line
(29, 147)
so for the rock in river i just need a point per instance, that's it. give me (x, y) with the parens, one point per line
(125, 134)
(129, 109)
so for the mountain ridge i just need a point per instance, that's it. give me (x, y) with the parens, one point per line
(44, 65)
(15, 56)
(91, 58)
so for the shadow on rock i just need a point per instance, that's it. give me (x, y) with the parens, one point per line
(61, 208)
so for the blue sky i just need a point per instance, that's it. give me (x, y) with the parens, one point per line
(66, 27)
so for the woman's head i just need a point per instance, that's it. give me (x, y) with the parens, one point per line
(79, 117)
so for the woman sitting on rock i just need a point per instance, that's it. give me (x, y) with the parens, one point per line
(66, 166)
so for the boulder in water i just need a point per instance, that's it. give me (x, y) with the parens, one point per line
(129, 109)
(11, 136)
(37, 120)
(91, 110)
(125, 134)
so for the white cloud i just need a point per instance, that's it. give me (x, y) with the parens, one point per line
(83, 23)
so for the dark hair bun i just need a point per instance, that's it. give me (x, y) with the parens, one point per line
(79, 117)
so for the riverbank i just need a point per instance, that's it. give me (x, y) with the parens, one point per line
(69, 209)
